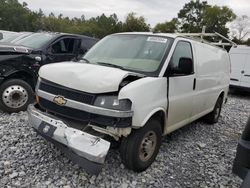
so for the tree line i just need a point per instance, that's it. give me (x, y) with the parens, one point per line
(191, 18)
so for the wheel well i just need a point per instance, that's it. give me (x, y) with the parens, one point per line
(221, 95)
(23, 76)
(160, 116)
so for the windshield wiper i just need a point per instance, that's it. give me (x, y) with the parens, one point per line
(110, 65)
(84, 59)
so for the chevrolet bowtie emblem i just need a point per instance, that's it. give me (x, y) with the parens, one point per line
(46, 129)
(60, 100)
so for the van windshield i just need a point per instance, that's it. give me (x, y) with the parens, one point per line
(139, 53)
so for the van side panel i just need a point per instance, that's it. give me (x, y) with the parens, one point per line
(245, 80)
(240, 62)
(237, 64)
(212, 77)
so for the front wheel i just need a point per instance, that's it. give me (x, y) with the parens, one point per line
(139, 150)
(15, 95)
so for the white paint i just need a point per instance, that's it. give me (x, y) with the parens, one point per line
(240, 66)
(84, 77)
(85, 145)
(149, 94)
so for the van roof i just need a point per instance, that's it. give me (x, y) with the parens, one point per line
(171, 35)
(242, 49)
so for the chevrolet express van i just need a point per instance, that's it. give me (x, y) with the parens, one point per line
(131, 88)
(240, 62)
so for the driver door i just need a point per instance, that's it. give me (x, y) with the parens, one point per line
(181, 88)
(64, 49)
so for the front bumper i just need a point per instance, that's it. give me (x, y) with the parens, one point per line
(87, 150)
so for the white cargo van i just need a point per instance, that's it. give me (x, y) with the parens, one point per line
(131, 88)
(240, 67)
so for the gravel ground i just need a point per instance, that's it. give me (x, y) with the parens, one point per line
(198, 155)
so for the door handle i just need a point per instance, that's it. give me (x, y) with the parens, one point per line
(194, 84)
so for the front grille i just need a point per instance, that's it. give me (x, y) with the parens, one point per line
(66, 92)
(64, 111)
(85, 117)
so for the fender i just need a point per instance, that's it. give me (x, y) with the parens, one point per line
(152, 113)
(8, 71)
(148, 95)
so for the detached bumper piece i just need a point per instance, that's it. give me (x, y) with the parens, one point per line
(241, 166)
(88, 151)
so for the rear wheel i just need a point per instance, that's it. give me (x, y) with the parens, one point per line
(15, 95)
(139, 150)
(213, 116)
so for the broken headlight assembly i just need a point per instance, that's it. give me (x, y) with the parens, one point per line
(112, 102)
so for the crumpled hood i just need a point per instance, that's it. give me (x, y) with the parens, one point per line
(85, 77)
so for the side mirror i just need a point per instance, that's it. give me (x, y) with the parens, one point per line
(38, 58)
(185, 66)
(1, 36)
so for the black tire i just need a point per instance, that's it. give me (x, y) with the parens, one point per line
(213, 116)
(130, 146)
(28, 96)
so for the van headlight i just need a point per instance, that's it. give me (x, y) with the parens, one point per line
(112, 102)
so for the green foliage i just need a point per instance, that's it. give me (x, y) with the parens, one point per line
(215, 18)
(197, 14)
(167, 27)
(190, 16)
(134, 23)
(17, 17)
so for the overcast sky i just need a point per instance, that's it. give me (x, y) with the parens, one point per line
(154, 11)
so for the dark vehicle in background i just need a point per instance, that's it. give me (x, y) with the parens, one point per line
(241, 166)
(20, 62)
(6, 34)
(15, 37)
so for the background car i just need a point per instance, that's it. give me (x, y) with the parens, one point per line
(15, 37)
(6, 34)
(21, 60)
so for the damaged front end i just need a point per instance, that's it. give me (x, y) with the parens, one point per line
(85, 149)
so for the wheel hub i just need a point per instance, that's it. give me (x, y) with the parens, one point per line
(15, 96)
(148, 146)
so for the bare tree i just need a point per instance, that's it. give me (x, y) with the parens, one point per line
(240, 27)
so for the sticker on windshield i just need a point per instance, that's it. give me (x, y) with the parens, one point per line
(157, 39)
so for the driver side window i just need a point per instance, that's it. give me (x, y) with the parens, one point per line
(63, 46)
(182, 50)
(181, 62)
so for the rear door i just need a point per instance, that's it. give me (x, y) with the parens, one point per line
(237, 67)
(181, 89)
(245, 78)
